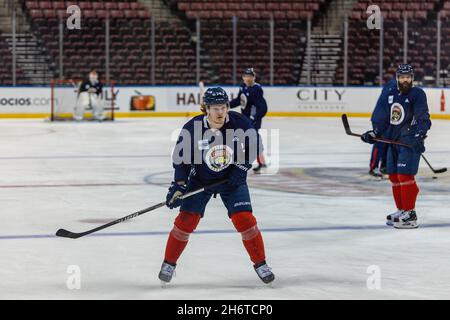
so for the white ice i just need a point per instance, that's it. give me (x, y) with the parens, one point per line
(321, 240)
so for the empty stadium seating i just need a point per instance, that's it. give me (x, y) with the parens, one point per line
(130, 51)
(6, 66)
(253, 35)
(130, 60)
(363, 44)
(130, 32)
(290, 10)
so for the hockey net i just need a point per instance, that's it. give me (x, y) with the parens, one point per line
(64, 98)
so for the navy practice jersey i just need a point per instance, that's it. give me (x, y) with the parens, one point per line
(211, 154)
(397, 115)
(253, 100)
(86, 85)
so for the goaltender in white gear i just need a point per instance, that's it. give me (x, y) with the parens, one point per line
(90, 97)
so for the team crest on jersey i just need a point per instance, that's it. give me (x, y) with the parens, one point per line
(397, 114)
(219, 157)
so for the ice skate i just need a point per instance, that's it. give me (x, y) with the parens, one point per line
(407, 220)
(258, 168)
(390, 217)
(264, 272)
(376, 175)
(166, 273)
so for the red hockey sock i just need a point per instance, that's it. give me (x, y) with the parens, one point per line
(396, 191)
(409, 191)
(261, 159)
(185, 223)
(245, 223)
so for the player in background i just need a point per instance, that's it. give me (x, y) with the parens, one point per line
(379, 150)
(206, 138)
(377, 164)
(402, 115)
(90, 96)
(253, 105)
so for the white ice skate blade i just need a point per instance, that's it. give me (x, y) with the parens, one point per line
(164, 284)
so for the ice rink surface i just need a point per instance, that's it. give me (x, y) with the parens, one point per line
(322, 218)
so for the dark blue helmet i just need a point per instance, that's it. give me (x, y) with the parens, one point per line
(215, 96)
(249, 71)
(404, 68)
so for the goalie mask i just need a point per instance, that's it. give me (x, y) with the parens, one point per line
(93, 77)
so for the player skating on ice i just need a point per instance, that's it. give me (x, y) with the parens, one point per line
(90, 96)
(253, 105)
(402, 115)
(211, 148)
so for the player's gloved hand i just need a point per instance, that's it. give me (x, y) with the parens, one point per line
(243, 100)
(238, 174)
(368, 136)
(175, 191)
(418, 142)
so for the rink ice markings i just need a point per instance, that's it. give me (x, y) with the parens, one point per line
(230, 231)
(125, 156)
(72, 185)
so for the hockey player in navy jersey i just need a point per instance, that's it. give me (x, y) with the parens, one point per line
(220, 144)
(402, 114)
(253, 105)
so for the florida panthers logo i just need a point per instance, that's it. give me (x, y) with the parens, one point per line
(219, 157)
(397, 114)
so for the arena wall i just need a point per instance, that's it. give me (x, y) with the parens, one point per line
(150, 101)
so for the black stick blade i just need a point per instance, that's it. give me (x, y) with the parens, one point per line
(66, 234)
(440, 170)
(346, 125)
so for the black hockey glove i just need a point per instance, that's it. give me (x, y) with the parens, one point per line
(175, 191)
(418, 142)
(238, 174)
(368, 136)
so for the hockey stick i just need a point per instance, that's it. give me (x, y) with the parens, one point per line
(442, 170)
(73, 235)
(383, 140)
(201, 87)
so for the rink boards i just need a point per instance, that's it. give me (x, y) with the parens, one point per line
(164, 101)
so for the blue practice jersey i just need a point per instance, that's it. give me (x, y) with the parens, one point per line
(86, 85)
(211, 154)
(397, 115)
(252, 98)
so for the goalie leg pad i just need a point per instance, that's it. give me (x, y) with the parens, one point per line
(185, 223)
(81, 105)
(245, 223)
(97, 107)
